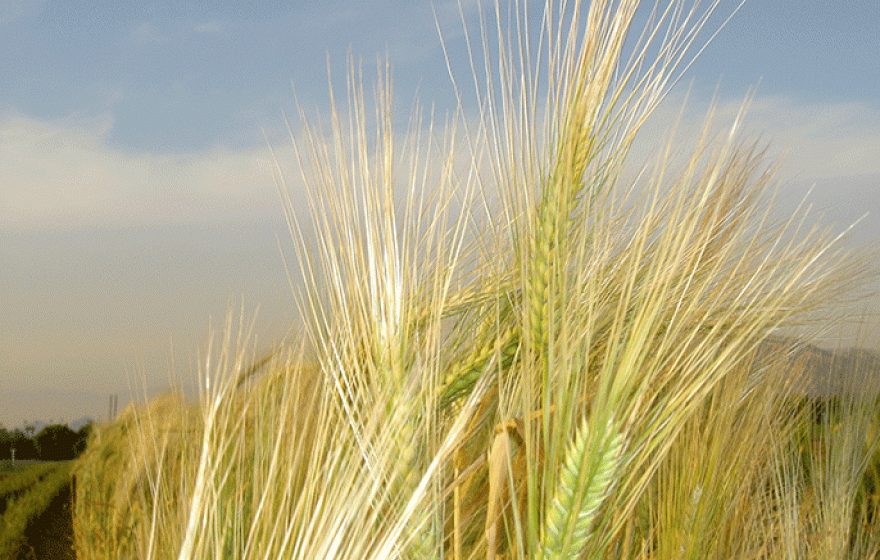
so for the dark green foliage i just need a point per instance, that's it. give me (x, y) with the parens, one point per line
(53, 443)
(56, 443)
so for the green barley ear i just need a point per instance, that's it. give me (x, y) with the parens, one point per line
(586, 479)
(464, 374)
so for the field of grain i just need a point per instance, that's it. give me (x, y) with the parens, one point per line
(32, 496)
(520, 343)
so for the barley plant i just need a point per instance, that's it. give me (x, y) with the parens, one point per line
(520, 340)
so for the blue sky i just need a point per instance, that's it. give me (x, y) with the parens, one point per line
(137, 201)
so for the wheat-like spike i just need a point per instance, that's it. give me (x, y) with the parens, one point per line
(580, 138)
(462, 379)
(587, 478)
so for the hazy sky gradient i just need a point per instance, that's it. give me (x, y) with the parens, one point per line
(136, 198)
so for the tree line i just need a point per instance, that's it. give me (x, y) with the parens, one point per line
(56, 442)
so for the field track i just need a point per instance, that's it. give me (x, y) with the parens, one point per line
(50, 536)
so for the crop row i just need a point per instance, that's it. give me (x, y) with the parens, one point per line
(16, 484)
(21, 510)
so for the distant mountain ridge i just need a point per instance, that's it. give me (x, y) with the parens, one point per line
(825, 373)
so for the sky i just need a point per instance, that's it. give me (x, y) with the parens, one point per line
(137, 205)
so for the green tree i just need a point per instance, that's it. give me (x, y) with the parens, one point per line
(5, 444)
(56, 443)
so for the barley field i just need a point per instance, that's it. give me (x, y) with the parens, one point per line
(29, 495)
(520, 341)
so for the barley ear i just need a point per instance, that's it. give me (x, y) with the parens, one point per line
(463, 377)
(585, 481)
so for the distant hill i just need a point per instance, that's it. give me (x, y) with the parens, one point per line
(824, 373)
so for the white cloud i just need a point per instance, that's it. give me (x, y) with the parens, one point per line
(822, 140)
(67, 174)
(813, 140)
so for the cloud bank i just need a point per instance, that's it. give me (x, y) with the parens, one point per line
(66, 174)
